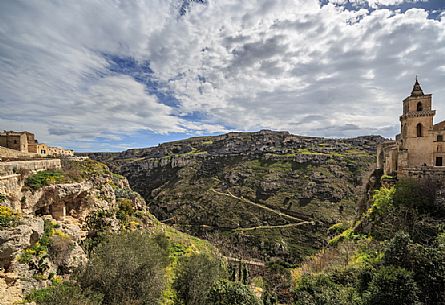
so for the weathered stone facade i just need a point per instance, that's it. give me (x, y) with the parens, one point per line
(14, 140)
(420, 143)
(25, 142)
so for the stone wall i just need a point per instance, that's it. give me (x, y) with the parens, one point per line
(435, 173)
(9, 184)
(11, 167)
(11, 153)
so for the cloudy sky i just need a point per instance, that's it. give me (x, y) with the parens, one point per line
(109, 75)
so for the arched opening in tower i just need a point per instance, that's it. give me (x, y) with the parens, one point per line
(419, 106)
(419, 130)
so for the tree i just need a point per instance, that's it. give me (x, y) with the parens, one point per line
(231, 293)
(392, 285)
(196, 275)
(322, 289)
(417, 194)
(127, 268)
(397, 250)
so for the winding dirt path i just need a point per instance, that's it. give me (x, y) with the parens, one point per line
(230, 195)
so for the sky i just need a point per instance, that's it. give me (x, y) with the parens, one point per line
(108, 75)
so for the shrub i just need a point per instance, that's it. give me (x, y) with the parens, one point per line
(2, 198)
(44, 178)
(195, 277)
(7, 217)
(231, 293)
(382, 200)
(278, 281)
(127, 268)
(36, 255)
(417, 194)
(428, 265)
(338, 228)
(396, 252)
(321, 289)
(126, 208)
(392, 285)
(64, 293)
(98, 224)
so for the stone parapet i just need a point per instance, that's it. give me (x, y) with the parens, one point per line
(11, 167)
(433, 172)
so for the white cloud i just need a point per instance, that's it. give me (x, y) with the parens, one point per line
(245, 65)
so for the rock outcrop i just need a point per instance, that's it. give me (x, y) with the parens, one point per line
(44, 232)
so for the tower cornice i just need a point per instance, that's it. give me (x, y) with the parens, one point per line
(414, 114)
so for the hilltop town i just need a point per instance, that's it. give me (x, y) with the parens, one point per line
(23, 144)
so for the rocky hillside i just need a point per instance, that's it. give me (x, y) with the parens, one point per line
(264, 195)
(52, 219)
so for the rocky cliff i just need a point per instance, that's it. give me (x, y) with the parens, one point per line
(50, 219)
(264, 195)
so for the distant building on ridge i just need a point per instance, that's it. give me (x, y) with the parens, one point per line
(25, 142)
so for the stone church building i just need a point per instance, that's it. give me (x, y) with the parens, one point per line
(420, 145)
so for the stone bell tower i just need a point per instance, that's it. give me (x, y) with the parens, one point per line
(415, 142)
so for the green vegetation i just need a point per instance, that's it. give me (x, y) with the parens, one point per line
(305, 151)
(84, 169)
(399, 257)
(392, 285)
(3, 198)
(195, 275)
(141, 268)
(65, 293)
(127, 268)
(8, 217)
(231, 293)
(36, 256)
(44, 178)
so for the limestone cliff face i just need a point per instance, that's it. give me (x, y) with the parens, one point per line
(44, 232)
(266, 195)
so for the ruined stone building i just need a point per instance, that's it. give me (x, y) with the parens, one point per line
(16, 140)
(420, 145)
(26, 142)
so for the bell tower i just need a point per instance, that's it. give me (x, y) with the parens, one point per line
(417, 127)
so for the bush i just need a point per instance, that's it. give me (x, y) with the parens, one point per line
(396, 252)
(36, 256)
(417, 194)
(196, 275)
(428, 265)
(126, 208)
(66, 294)
(392, 285)
(127, 268)
(278, 282)
(7, 217)
(231, 293)
(321, 289)
(44, 178)
(382, 200)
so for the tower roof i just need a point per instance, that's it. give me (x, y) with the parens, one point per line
(417, 90)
